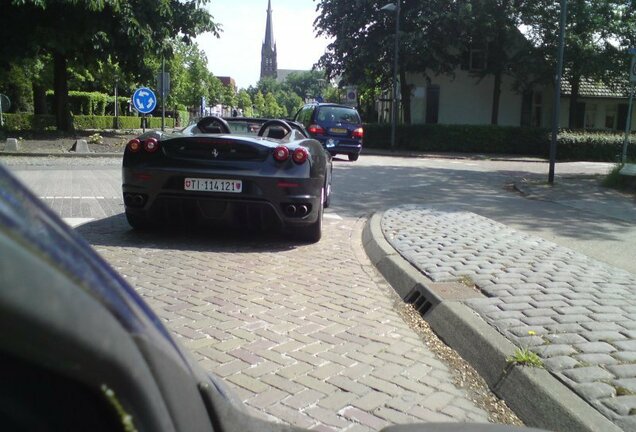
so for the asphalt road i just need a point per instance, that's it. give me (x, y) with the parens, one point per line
(310, 335)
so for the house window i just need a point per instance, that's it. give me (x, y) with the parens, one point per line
(610, 117)
(590, 116)
(477, 59)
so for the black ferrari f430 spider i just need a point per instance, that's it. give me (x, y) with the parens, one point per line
(256, 173)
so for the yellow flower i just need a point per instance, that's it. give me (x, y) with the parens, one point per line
(532, 332)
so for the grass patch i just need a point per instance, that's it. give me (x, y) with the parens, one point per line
(525, 357)
(622, 391)
(615, 180)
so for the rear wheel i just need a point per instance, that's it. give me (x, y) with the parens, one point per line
(353, 157)
(312, 233)
(137, 222)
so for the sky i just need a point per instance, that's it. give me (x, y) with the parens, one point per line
(237, 53)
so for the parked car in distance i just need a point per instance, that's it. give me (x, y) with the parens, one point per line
(218, 171)
(337, 127)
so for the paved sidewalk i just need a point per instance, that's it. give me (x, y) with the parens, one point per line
(576, 313)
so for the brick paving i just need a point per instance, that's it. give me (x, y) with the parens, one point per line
(308, 335)
(577, 313)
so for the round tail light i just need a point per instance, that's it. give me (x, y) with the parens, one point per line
(281, 153)
(300, 155)
(134, 145)
(151, 145)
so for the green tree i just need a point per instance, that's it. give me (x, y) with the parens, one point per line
(73, 32)
(229, 98)
(362, 50)
(306, 84)
(215, 90)
(271, 108)
(597, 34)
(259, 104)
(289, 102)
(245, 103)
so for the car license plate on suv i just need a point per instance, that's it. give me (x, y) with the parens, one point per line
(213, 185)
(338, 130)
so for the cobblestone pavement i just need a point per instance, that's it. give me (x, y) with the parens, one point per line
(305, 334)
(578, 314)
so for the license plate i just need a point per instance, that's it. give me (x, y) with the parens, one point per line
(213, 185)
(338, 130)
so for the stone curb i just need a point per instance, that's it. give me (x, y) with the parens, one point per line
(535, 395)
(71, 154)
(465, 156)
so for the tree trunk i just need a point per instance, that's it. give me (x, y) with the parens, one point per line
(60, 89)
(496, 96)
(39, 99)
(405, 93)
(574, 98)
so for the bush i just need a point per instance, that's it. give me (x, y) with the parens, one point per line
(85, 103)
(30, 122)
(183, 118)
(24, 122)
(579, 145)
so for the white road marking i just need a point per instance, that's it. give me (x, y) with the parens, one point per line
(76, 197)
(332, 216)
(75, 222)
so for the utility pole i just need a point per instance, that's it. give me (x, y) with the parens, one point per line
(557, 92)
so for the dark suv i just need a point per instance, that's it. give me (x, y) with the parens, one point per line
(337, 127)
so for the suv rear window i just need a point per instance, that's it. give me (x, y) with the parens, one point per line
(338, 114)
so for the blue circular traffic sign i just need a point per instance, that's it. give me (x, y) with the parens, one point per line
(144, 100)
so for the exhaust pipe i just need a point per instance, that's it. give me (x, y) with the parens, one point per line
(137, 200)
(303, 210)
(290, 210)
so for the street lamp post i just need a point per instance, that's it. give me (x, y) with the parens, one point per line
(557, 92)
(394, 7)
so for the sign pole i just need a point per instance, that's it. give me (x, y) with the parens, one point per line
(143, 123)
(628, 123)
(163, 93)
(556, 107)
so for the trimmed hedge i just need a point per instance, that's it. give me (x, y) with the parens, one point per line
(579, 145)
(24, 122)
(183, 118)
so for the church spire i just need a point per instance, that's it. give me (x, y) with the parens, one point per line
(269, 28)
(268, 50)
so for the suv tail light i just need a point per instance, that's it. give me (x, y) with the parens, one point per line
(315, 129)
(151, 145)
(134, 145)
(281, 153)
(358, 133)
(300, 155)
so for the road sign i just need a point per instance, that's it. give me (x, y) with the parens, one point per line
(352, 95)
(144, 100)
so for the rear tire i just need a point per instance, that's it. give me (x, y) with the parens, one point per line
(138, 223)
(327, 192)
(311, 233)
(353, 157)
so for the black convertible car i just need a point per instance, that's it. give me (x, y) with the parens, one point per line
(253, 173)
